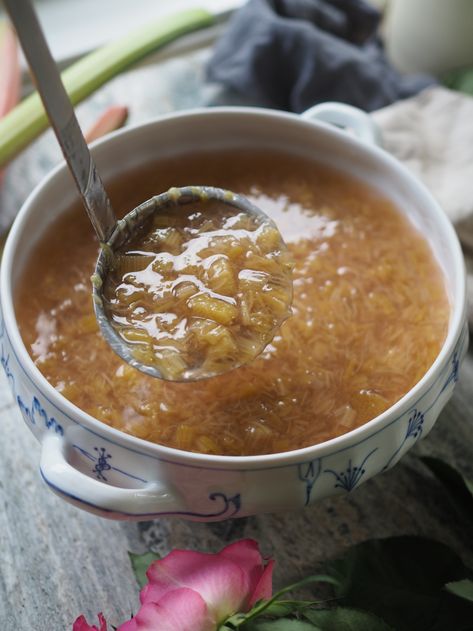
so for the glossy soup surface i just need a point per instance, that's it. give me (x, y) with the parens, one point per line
(201, 289)
(370, 314)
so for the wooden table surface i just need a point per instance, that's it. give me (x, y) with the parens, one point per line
(57, 561)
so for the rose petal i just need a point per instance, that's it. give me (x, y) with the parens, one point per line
(81, 624)
(264, 588)
(246, 554)
(178, 610)
(222, 583)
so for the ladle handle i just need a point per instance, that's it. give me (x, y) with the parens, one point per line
(62, 117)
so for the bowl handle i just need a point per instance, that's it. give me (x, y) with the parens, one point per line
(349, 118)
(76, 486)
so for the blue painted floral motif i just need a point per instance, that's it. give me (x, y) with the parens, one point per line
(349, 478)
(5, 357)
(5, 361)
(415, 427)
(231, 505)
(102, 463)
(453, 376)
(36, 414)
(308, 473)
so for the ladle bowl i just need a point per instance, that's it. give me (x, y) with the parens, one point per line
(127, 228)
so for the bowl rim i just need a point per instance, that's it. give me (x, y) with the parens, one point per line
(171, 454)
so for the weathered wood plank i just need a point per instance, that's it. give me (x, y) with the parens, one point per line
(56, 560)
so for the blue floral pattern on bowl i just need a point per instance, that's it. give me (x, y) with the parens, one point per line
(348, 478)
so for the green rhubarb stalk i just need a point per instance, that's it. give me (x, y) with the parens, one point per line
(28, 120)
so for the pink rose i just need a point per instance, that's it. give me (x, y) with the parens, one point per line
(194, 591)
(81, 624)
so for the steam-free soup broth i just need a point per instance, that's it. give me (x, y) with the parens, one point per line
(370, 314)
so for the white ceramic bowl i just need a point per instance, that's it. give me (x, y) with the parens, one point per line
(110, 473)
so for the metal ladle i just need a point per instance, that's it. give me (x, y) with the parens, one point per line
(110, 232)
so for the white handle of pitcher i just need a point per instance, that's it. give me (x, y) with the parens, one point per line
(349, 118)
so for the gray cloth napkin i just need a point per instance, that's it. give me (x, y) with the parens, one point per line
(291, 54)
(432, 134)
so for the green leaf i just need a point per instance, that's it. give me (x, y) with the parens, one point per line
(24, 123)
(140, 563)
(314, 578)
(283, 624)
(460, 488)
(343, 619)
(263, 605)
(401, 580)
(281, 609)
(284, 608)
(463, 589)
(461, 80)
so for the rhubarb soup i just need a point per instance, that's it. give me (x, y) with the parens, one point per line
(369, 314)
